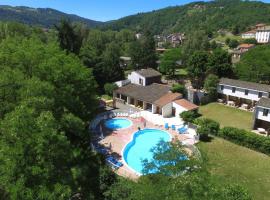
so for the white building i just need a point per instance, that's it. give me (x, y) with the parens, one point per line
(145, 77)
(249, 34)
(242, 92)
(146, 93)
(262, 114)
(263, 35)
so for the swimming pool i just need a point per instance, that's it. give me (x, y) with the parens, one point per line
(140, 147)
(118, 123)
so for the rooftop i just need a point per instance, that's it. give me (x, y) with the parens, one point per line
(250, 32)
(186, 104)
(149, 72)
(245, 84)
(167, 98)
(264, 102)
(150, 93)
(246, 45)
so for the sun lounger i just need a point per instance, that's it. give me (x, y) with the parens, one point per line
(182, 130)
(114, 162)
(173, 127)
(166, 126)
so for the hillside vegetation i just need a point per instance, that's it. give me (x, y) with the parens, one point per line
(44, 17)
(220, 14)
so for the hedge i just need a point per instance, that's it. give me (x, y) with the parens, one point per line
(246, 138)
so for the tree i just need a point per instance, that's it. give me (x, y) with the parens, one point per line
(250, 41)
(219, 63)
(254, 65)
(206, 127)
(109, 88)
(233, 43)
(180, 89)
(197, 66)
(69, 39)
(109, 69)
(189, 116)
(143, 52)
(210, 86)
(168, 61)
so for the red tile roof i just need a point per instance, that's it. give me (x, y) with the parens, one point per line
(252, 31)
(168, 98)
(246, 46)
(186, 104)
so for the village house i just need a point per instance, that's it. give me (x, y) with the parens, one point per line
(144, 90)
(262, 115)
(261, 33)
(241, 49)
(242, 92)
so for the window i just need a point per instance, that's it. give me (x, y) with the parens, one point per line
(140, 81)
(265, 112)
(233, 90)
(268, 95)
(260, 94)
(246, 92)
(222, 87)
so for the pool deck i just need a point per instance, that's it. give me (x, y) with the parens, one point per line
(118, 139)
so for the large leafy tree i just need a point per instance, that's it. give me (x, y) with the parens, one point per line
(197, 66)
(219, 63)
(254, 65)
(143, 52)
(47, 99)
(168, 63)
(69, 39)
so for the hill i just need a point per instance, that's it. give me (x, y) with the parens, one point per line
(44, 17)
(212, 16)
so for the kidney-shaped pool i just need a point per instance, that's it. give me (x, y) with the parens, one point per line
(140, 147)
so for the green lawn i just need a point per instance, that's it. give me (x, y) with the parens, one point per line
(232, 163)
(227, 116)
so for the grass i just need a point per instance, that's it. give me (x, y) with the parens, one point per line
(231, 163)
(106, 97)
(227, 116)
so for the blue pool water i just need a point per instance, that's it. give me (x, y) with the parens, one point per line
(118, 123)
(140, 147)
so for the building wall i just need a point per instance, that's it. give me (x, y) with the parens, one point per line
(240, 92)
(259, 114)
(135, 77)
(248, 35)
(263, 36)
(167, 110)
(178, 109)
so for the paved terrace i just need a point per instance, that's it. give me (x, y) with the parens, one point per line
(117, 140)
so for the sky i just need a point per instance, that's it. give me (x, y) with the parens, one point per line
(101, 10)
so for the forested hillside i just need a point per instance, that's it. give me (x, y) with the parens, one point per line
(215, 15)
(44, 17)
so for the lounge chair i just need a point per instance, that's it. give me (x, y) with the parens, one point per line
(166, 126)
(115, 164)
(173, 127)
(182, 130)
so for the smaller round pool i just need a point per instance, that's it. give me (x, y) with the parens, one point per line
(118, 123)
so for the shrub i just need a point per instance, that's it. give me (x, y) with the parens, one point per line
(189, 116)
(210, 86)
(109, 88)
(179, 88)
(246, 138)
(206, 127)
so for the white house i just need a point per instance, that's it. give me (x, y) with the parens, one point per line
(145, 77)
(263, 35)
(249, 34)
(242, 91)
(262, 114)
(146, 93)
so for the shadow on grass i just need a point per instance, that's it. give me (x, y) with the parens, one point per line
(207, 139)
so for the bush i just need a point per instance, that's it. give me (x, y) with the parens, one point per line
(246, 138)
(179, 88)
(189, 116)
(206, 127)
(109, 88)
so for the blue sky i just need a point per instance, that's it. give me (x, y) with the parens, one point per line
(102, 10)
